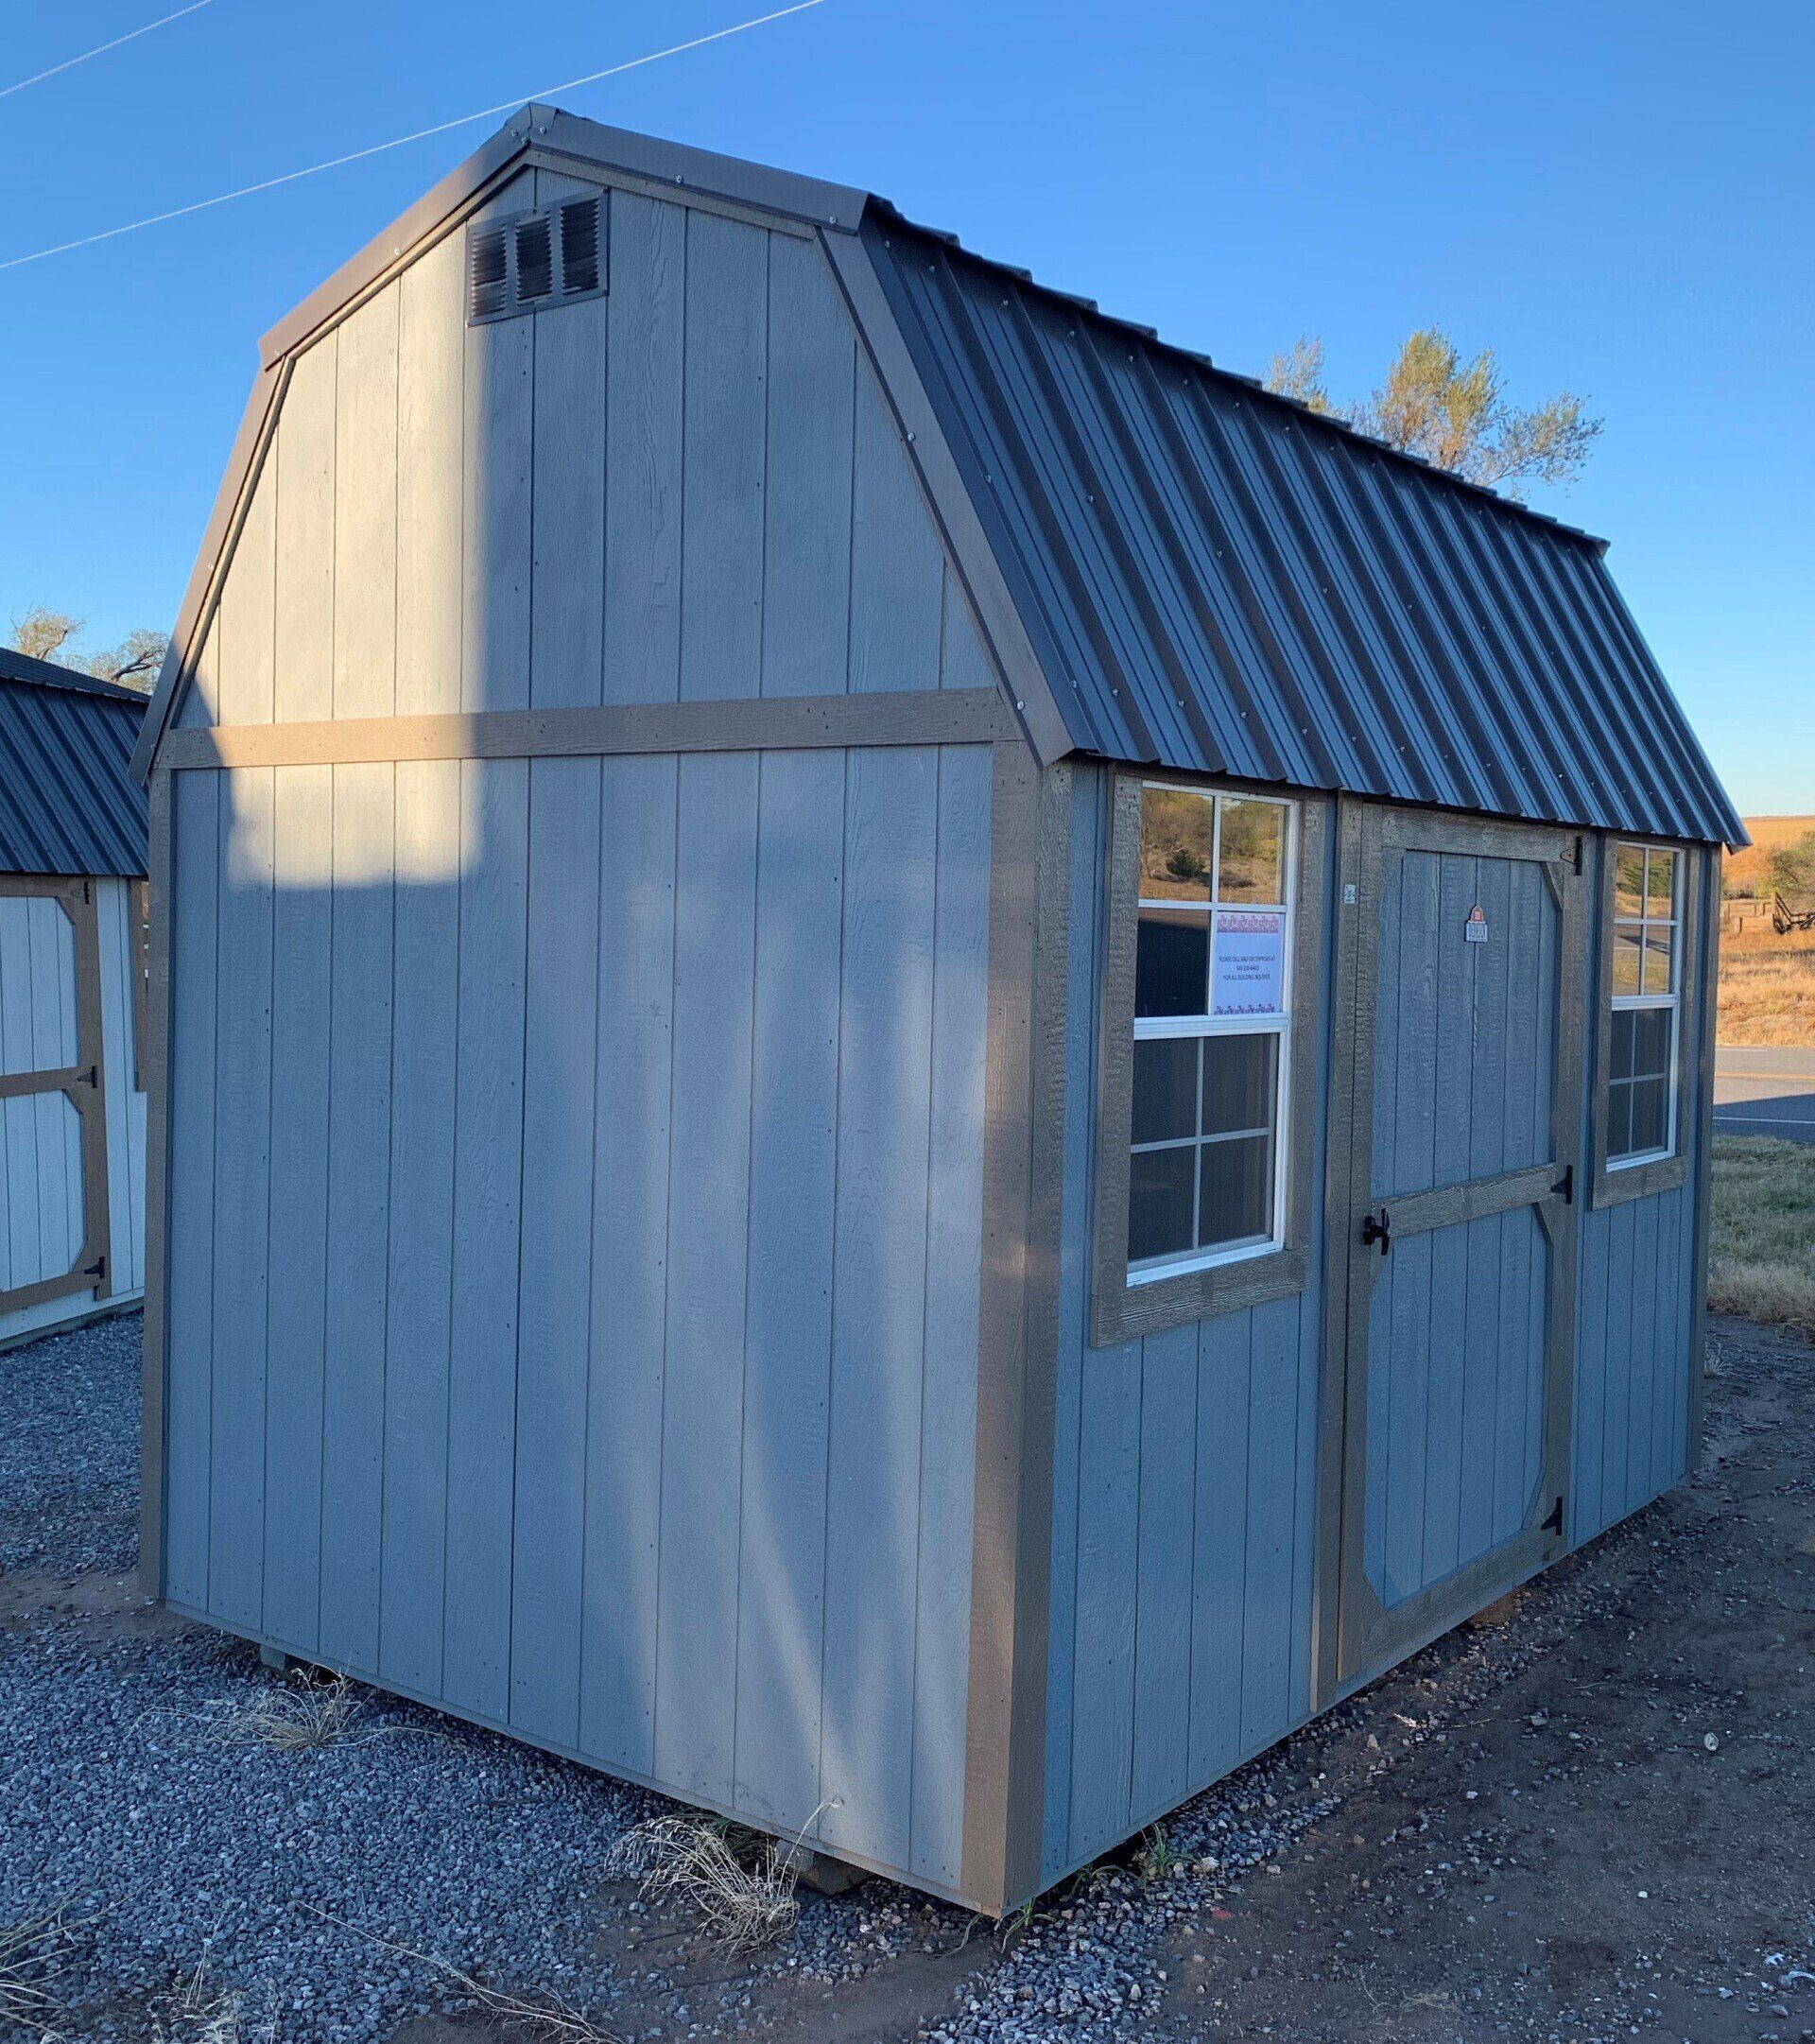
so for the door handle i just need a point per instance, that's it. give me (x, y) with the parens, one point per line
(1379, 1230)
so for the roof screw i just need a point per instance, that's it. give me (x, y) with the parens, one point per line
(911, 439)
(831, 219)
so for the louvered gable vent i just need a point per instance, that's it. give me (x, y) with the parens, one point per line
(533, 261)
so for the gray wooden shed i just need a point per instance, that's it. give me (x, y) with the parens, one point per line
(915, 1065)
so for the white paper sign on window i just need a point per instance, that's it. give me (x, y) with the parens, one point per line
(1249, 976)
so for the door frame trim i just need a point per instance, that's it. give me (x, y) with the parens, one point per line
(1366, 833)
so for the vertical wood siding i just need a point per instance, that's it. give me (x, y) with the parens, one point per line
(691, 488)
(1184, 1503)
(578, 1323)
(1636, 1328)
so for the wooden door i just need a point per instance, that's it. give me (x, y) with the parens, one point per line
(1466, 969)
(53, 1127)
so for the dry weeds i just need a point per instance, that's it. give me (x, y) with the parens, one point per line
(743, 1903)
(546, 2018)
(290, 1719)
(1767, 988)
(32, 1955)
(1762, 1238)
(196, 2013)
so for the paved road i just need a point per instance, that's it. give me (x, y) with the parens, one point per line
(1761, 1092)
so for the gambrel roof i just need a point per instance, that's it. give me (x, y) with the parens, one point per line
(69, 803)
(1172, 566)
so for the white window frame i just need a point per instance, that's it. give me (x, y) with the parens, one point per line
(1280, 1025)
(1642, 925)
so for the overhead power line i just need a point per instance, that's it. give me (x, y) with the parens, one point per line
(398, 142)
(69, 64)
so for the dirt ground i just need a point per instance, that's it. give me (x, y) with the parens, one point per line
(1593, 1821)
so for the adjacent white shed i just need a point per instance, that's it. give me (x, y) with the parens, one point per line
(73, 830)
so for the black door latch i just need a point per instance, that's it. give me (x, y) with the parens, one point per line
(1379, 1231)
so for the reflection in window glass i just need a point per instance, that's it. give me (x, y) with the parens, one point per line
(1204, 1127)
(1178, 844)
(1251, 866)
(1660, 885)
(1641, 1069)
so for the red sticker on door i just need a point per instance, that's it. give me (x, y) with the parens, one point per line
(1474, 929)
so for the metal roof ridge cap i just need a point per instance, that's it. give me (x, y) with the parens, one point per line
(682, 164)
(1025, 279)
(70, 680)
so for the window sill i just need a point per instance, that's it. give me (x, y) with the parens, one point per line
(1615, 1183)
(1150, 1306)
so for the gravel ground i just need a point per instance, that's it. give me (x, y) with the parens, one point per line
(1525, 1832)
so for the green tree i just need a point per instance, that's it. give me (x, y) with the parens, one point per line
(44, 635)
(1299, 373)
(40, 633)
(1452, 412)
(1789, 868)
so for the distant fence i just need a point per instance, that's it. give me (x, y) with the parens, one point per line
(1741, 912)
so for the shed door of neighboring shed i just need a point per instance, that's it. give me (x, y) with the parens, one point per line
(53, 1135)
(1465, 961)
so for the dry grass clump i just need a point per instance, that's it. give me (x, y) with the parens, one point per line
(1762, 1230)
(291, 1720)
(1767, 988)
(32, 1954)
(194, 2012)
(743, 1902)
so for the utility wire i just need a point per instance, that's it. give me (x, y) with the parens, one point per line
(69, 64)
(420, 134)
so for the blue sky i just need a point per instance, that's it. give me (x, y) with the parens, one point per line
(1615, 200)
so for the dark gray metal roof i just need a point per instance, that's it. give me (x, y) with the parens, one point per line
(1217, 580)
(69, 803)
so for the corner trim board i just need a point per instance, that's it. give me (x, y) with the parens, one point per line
(157, 1290)
(1010, 1553)
(908, 716)
(973, 558)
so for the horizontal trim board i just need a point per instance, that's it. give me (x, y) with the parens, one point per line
(775, 724)
(21, 1085)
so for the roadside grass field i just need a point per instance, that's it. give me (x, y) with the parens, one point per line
(1767, 988)
(1762, 1231)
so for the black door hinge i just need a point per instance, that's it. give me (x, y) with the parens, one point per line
(1571, 856)
(1565, 1186)
(92, 1077)
(1378, 1230)
(1554, 1523)
(96, 1269)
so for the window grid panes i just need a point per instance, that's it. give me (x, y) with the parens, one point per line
(1645, 991)
(1212, 1016)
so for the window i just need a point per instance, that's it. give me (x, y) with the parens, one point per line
(1645, 967)
(1652, 1032)
(1206, 1092)
(1211, 1002)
